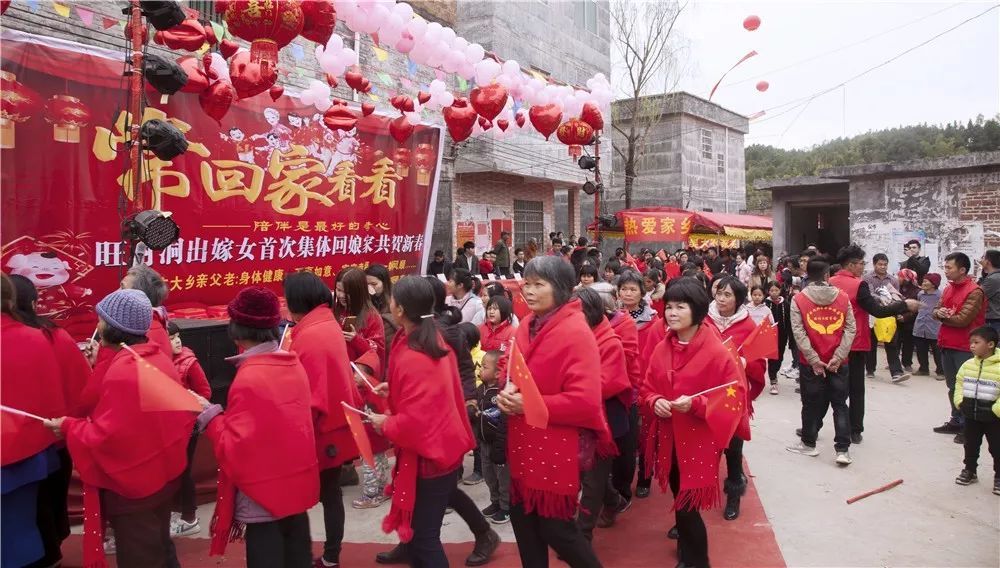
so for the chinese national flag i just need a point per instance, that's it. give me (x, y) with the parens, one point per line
(725, 407)
(360, 436)
(630, 260)
(535, 412)
(762, 343)
(662, 255)
(159, 392)
(521, 309)
(286, 339)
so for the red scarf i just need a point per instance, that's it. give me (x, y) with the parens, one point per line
(676, 369)
(545, 463)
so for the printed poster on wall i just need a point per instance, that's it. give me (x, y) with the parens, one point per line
(268, 191)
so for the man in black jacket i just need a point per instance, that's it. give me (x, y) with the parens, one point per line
(919, 264)
(439, 265)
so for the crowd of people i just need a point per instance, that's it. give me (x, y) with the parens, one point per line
(623, 353)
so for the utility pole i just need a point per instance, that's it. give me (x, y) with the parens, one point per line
(135, 102)
(597, 181)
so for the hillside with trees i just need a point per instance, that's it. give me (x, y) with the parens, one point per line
(891, 145)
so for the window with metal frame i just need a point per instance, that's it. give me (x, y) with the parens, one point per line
(706, 144)
(529, 221)
(721, 163)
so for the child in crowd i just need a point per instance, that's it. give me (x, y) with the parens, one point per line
(612, 269)
(759, 311)
(925, 327)
(193, 378)
(491, 433)
(472, 338)
(780, 316)
(793, 348)
(979, 400)
(588, 275)
(655, 290)
(486, 264)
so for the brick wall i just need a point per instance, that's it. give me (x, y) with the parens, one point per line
(982, 204)
(499, 191)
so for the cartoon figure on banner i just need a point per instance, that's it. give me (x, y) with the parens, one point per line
(302, 135)
(279, 130)
(275, 143)
(244, 148)
(346, 149)
(53, 270)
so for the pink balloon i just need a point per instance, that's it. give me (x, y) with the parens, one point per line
(763, 86)
(405, 44)
(751, 23)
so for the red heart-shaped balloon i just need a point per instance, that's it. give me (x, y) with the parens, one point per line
(332, 81)
(206, 61)
(460, 102)
(545, 118)
(402, 103)
(366, 85)
(367, 108)
(197, 79)
(400, 129)
(210, 35)
(228, 48)
(489, 100)
(460, 120)
(484, 123)
(188, 35)
(318, 20)
(592, 115)
(217, 99)
(502, 124)
(276, 92)
(339, 117)
(355, 80)
(423, 97)
(249, 78)
(519, 119)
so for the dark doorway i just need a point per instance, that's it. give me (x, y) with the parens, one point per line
(826, 226)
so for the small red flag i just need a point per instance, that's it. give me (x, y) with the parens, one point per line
(725, 407)
(286, 339)
(630, 260)
(662, 255)
(535, 412)
(521, 309)
(762, 343)
(360, 434)
(159, 392)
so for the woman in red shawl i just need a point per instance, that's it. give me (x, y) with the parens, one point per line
(599, 497)
(545, 463)
(318, 340)
(684, 441)
(365, 336)
(729, 316)
(631, 292)
(264, 442)
(427, 422)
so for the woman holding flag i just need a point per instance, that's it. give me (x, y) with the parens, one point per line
(694, 391)
(129, 460)
(554, 417)
(729, 315)
(427, 424)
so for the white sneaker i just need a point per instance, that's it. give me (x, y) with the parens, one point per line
(774, 388)
(803, 449)
(180, 527)
(109, 545)
(792, 373)
(844, 459)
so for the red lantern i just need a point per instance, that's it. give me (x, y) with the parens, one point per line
(319, 18)
(268, 26)
(17, 104)
(67, 115)
(751, 23)
(401, 156)
(425, 158)
(763, 86)
(575, 133)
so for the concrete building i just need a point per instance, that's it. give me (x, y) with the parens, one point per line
(482, 180)
(950, 204)
(692, 157)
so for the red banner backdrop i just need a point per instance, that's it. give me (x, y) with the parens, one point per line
(268, 191)
(657, 226)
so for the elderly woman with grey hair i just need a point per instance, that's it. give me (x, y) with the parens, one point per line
(149, 282)
(561, 356)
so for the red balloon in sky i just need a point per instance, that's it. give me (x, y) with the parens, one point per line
(751, 23)
(762, 86)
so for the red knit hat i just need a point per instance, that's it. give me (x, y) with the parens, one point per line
(255, 307)
(934, 278)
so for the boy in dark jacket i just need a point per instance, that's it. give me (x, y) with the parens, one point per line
(491, 432)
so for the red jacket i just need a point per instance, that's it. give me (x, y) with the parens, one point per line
(497, 338)
(953, 297)
(191, 374)
(427, 408)
(74, 368)
(121, 448)
(158, 335)
(614, 372)
(755, 369)
(368, 346)
(850, 283)
(624, 326)
(30, 381)
(562, 358)
(319, 342)
(264, 440)
(824, 325)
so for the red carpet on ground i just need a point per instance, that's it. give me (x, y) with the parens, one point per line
(638, 540)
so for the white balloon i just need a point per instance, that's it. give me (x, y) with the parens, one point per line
(448, 35)
(511, 67)
(417, 27)
(467, 71)
(486, 71)
(403, 10)
(378, 16)
(438, 86)
(433, 32)
(460, 44)
(447, 99)
(221, 68)
(474, 53)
